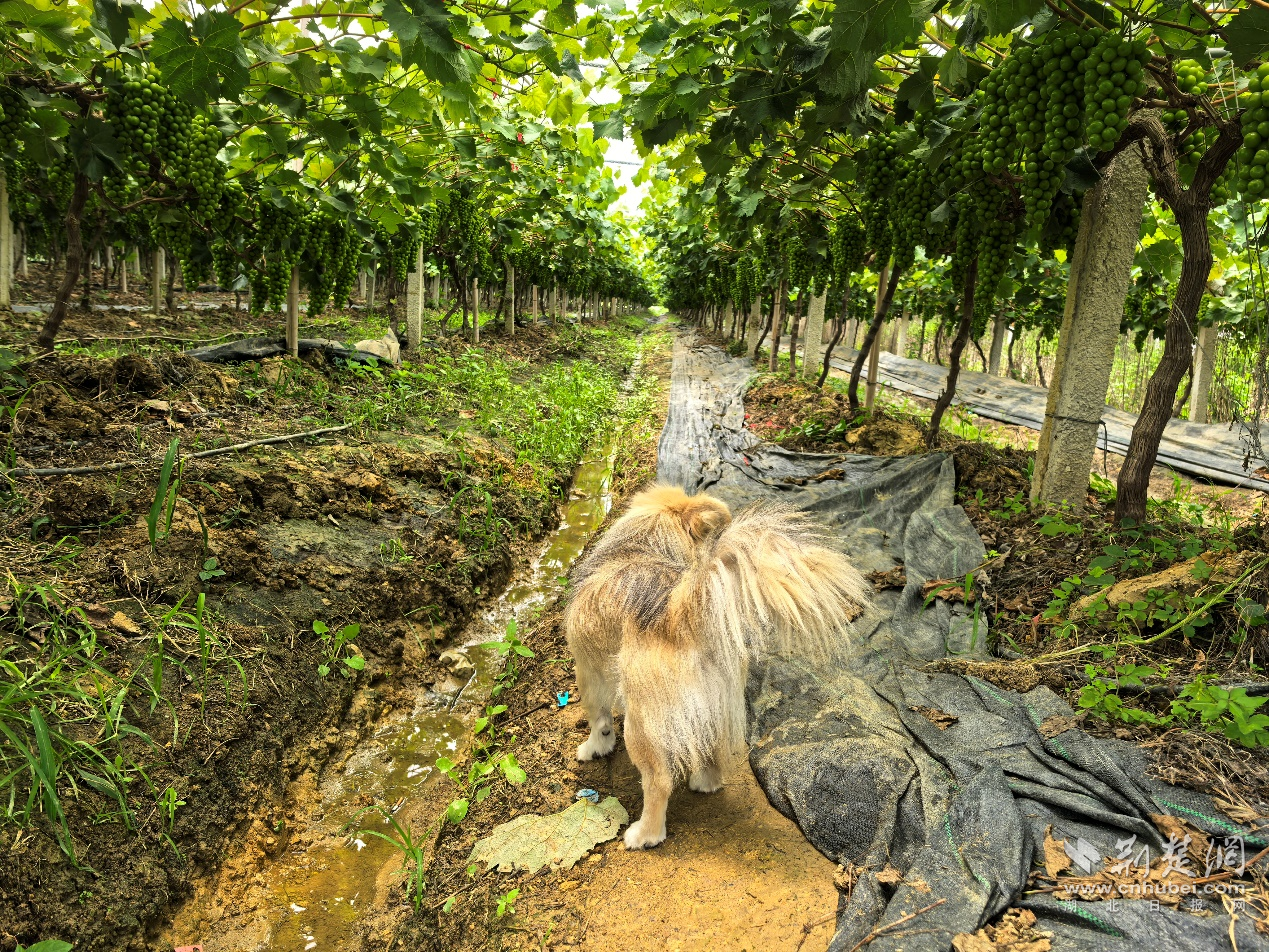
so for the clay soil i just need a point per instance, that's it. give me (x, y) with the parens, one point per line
(406, 531)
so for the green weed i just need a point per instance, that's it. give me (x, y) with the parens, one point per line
(338, 649)
(63, 719)
(412, 849)
(165, 492)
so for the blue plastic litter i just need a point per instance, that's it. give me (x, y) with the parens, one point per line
(562, 697)
(587, 794)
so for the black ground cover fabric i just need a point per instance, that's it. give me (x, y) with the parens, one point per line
(961, 811)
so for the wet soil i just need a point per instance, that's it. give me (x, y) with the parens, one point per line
(733, 873)
(408, 533)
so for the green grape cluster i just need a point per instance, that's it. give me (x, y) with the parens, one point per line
(330, 261)
(1112, 78)
(1060, 117)
(402, 247)
(965, 239)
(139, 109)
(281, 238)
(197, 170)
(468, 230)
(797, 260)
(847, 249)
(997, 239)
(15, 112)
(429, 225)
(1063, 226)
(1252, 160)
(745, 282)
(878, 172)
(915, 197)
(61, 183)
(119, 187)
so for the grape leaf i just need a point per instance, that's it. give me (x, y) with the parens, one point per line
(112, 20)
(421, 21)
(205, 63)
(614, 127)
(1001, 16)
(1248, 33)
(531, 842)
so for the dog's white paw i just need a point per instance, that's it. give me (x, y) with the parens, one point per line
(705, 781)
(641, 837)
(600, 745)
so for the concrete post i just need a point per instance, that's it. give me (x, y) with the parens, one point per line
(6, 242)
(415, 287)
(850, 334)
(901, 334)
(1204, 365)
(1101, 266)
(361, 285)
(475, 311)
(371, 283)
(755, 328)
(533, 302)
(158, 280)
(124, 265)
(293, 313)
(436, 292)
(812, 358)
(998, 330)
(511, 300)
(874, 353)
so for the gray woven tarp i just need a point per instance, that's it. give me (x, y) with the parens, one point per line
(960, 811)
(1214, 451)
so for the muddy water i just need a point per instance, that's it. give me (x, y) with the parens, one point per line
(314, 895)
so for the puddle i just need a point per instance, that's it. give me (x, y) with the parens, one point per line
(314, 896)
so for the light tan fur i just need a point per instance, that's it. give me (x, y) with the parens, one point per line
(664, 613)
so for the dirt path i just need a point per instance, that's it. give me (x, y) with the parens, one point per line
(733, 875)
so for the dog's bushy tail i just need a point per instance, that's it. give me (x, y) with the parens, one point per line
(764, 583)
(768, 582)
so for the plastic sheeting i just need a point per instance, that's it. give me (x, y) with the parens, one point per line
(258, 348)
(960, 810)
(1214, 451)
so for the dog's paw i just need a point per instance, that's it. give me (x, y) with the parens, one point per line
(597, 746)
(641, 837)
(705, 781)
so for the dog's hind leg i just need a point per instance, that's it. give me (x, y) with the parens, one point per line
(658, 784)
(708, 779)
(597, 698)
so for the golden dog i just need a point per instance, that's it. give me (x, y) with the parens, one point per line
(664, 612)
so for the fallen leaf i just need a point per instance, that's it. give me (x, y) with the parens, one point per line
(531, 842)
(1055, 858)
(159, 406)
(122, 622)
(940, 719)
(889, 876)
(892, 578)
(1014, 932)
(1056, 724)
